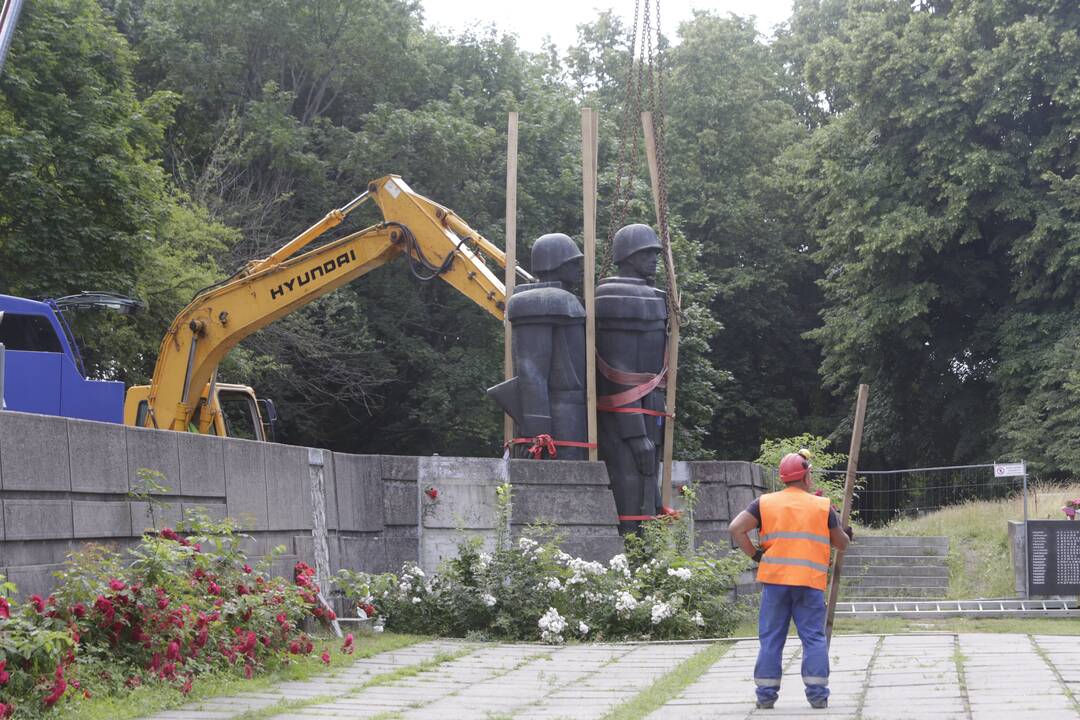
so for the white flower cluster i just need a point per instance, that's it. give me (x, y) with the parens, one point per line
(554, 584)
(483, 561)
(551, 626)
(698, 620)
(410, 574)
(563, 557)
(681, 573)
(661, 611)
(625, 603)
(647, 567)
(582, 569)
(620, 564)
(583, 629)
(488, 599)
(528, 546)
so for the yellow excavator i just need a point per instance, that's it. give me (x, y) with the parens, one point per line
(184, 393)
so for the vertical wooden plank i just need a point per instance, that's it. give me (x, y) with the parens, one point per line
(511, 253)
(588, 182)
(673, 322)
(845, 514)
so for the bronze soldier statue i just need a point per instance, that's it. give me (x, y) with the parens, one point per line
(546, 396)
(631, 342)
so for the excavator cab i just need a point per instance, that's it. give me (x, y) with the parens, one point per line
(241, 414)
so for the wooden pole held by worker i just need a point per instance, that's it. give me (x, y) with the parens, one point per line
(845, 514)
(588, 181)
(511, 252)
(673, 321)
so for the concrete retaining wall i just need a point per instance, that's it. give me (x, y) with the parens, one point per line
(67, 482)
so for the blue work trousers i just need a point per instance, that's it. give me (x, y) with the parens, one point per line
(779, 604)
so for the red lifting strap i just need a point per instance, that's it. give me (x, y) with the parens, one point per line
(540, 443)
(643, 384)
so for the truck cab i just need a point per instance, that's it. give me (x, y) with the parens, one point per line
(43, 371)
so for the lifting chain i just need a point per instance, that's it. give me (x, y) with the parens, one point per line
(645, 74)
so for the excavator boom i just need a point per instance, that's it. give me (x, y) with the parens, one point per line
(435, 241)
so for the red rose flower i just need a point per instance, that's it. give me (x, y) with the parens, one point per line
(325, 657)
(58, 688)
(169, 534)
(247, 568)
(432, 493)
(117, 585)
(348, 645)
(5, 608)
(173, 653)
(186, 687)
(294, 647)
(38, 603)
(78, 610)
(4, 674)
(213, 588)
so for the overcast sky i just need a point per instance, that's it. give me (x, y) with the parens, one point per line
(532, 20)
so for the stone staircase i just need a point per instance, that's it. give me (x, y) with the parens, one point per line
(878, 567)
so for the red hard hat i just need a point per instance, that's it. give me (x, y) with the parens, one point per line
(793, 467)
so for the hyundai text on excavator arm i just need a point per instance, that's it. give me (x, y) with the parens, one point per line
(184, 395)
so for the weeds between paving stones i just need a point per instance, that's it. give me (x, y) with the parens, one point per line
(668, 686)
(1057, 673)
(961, 679)
(382, 679)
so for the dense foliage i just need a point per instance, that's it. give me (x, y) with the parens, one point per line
(181, 604)
(531, 590)
(884, 193)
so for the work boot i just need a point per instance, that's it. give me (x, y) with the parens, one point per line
(819, 704)
(765, 704)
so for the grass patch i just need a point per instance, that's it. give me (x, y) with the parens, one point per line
(153, 698)
(668, 686)
(283, 706)
(980, 560)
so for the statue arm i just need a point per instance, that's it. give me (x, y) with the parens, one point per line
(532, 359)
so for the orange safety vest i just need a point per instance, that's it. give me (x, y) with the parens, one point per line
(795, 535)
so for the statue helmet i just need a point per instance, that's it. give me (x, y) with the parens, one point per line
(553, 250)
(632, 238)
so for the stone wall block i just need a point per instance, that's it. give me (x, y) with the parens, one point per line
(157, 451)
(567, 472)
(37, 519)
(288, 487)
(215, 511)
(34, 452)
(245, 482)
(400, 467)
(34, 579)
(97, 519)
(202, 465)
(146, 516)
(564, 506)
(359, 484)
(365, 553)
(400, 503)
(97, 457)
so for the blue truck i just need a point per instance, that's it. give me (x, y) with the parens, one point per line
(41, 370)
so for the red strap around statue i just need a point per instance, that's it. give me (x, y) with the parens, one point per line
(665, 511)
(540, 443)
(643, 384)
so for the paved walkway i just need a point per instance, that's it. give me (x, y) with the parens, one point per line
(891, 677)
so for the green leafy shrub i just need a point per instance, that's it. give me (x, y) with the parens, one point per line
(532, 590)
(831, 486)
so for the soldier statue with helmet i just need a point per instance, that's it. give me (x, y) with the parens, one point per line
(631, 342)
(546, 396)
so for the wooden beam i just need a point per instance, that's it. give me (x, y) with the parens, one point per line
(673, 321)
(511, 252)
(849, 491)
(588, 193)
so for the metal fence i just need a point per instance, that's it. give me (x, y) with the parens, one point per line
(888, 495)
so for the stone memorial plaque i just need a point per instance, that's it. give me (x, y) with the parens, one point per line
(1053, 550)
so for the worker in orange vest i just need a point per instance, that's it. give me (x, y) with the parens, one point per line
(796, 530)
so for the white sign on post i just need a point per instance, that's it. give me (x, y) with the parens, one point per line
(1010, 469)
